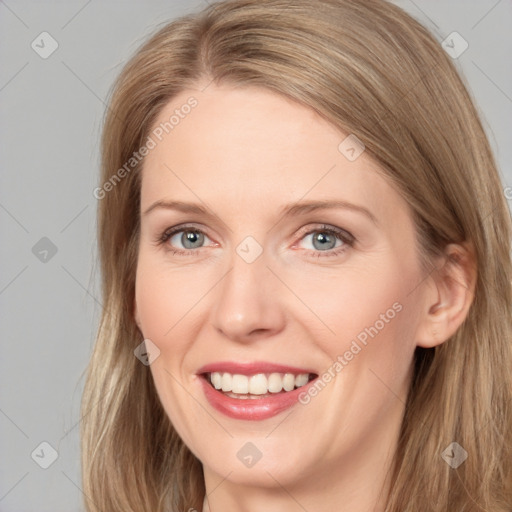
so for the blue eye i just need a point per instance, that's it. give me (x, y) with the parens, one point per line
(322, 240)
(325, 240)
(329, 241)
(189, 237)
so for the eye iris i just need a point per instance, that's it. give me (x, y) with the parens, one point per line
(325, 240)
(192, 237)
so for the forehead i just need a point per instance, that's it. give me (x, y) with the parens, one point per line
(242, 146)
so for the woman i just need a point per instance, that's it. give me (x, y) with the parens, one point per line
(305, 243)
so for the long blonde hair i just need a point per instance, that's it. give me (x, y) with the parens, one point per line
(373, 71)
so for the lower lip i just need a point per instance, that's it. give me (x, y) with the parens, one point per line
(253, 409)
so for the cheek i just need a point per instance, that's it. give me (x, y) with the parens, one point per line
(165, 297)
(371, 317)
(353, 303)
(164, 303)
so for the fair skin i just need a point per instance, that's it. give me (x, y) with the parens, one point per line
(243, 154)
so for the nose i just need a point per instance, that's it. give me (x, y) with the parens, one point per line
(248, 302)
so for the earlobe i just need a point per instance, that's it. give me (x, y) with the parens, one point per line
(448, 297)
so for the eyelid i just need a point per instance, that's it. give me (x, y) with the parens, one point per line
(184, 227)
(346, 237)
(163, 237)
(348, 241)
(342, 233)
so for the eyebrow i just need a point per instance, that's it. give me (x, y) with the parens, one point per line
(299, 208)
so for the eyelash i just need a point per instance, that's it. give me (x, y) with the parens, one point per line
(347, 238)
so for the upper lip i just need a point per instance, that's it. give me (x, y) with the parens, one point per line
(252, 368)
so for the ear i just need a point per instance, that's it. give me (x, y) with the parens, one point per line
(449, 293)
(136, 314)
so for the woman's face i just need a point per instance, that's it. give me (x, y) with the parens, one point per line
(268, 288)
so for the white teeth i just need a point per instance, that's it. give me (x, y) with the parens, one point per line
(259, 384)
(216, 379)
(275, 382)
(240, 384)
(227, 382)
(301, 380)
(288, 381)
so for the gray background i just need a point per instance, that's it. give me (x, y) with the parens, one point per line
(50, 120)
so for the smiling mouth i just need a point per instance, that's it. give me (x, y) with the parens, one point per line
(260, 385)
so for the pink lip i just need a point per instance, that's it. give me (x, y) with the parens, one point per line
(251, 368)
(253, 409)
